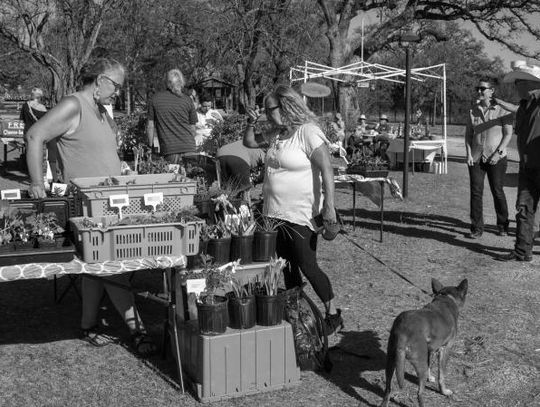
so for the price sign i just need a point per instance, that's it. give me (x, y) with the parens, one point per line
(153, 199)
(59, 189)
(11, 194)
(119, 201)
(174, 168)
(196, 285)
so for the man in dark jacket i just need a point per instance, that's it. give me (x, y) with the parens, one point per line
(527, 82)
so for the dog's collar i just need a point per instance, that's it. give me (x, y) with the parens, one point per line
(445, 295)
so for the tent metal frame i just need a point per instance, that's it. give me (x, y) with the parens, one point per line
(362, 72)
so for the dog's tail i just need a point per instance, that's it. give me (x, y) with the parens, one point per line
(400, 366)
(396, 357)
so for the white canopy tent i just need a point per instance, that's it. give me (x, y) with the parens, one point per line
(364, 72)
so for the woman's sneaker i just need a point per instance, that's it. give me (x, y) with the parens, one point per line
(333, 322)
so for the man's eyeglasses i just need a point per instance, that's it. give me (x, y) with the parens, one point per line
(117, 86)
(481, 88)
(208, 106)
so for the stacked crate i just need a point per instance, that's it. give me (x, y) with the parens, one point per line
(115, 242)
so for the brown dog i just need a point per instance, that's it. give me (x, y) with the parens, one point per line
(417, 334)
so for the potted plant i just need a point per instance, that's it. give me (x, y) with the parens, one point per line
(8, 227)
(242, 305)
(270, 299)
(212, 309)
(368, 166)
(216, 241)
(131, 134)
(264, 238)
(242, 228)
(43, 227)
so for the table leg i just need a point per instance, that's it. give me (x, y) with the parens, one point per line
(354, 205)
(172, 315)
(72, 280)
(382, 210)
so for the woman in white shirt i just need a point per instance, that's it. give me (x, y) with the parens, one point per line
(298, 170)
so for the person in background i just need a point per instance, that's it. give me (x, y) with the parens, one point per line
(87, 148)
(488, 132)
(383, 126)
(33, 109)
(31, 112)
(298, 190)
(172, 115)
(206, 119)
(361, 125)
(526, 80)
(339, 127)
(356, 139)
(236, 162)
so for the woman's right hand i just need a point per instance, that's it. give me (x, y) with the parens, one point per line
(253, 116)
(37, 191)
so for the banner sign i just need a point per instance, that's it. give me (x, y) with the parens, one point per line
(12, 128)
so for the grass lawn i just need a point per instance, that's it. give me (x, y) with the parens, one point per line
(495, 360)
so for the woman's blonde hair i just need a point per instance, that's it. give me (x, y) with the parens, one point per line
(293, 109)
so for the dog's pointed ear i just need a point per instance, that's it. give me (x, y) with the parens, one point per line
(436, 286)
(463, 287)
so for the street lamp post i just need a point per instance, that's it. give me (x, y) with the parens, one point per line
(406, 40)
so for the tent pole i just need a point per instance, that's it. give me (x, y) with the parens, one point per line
(445, 152)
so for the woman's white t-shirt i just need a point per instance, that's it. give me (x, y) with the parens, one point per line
(292, 186)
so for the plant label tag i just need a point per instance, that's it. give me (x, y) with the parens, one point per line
(174, 168)
(196, 285)
(58, 189)
(119, 201)
(11, 194)
(153, 199)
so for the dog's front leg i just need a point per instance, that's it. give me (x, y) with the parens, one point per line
(444, 353)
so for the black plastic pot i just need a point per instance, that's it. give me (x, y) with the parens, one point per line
(264, 245)
(219, 249)
(242, 248)
(214, 317)
(242, 312)
(270, 309)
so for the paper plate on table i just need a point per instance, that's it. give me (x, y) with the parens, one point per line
(315, 90)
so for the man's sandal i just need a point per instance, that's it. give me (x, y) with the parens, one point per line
(143, 344)
(95, 337)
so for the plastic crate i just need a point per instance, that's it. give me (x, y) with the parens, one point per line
(192, 231)
(94, 198)
(132, 241)
(238, 362)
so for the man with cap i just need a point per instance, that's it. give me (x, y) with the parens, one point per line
(383, 126)
(488, 132)
(356, 139)
(526, 80)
